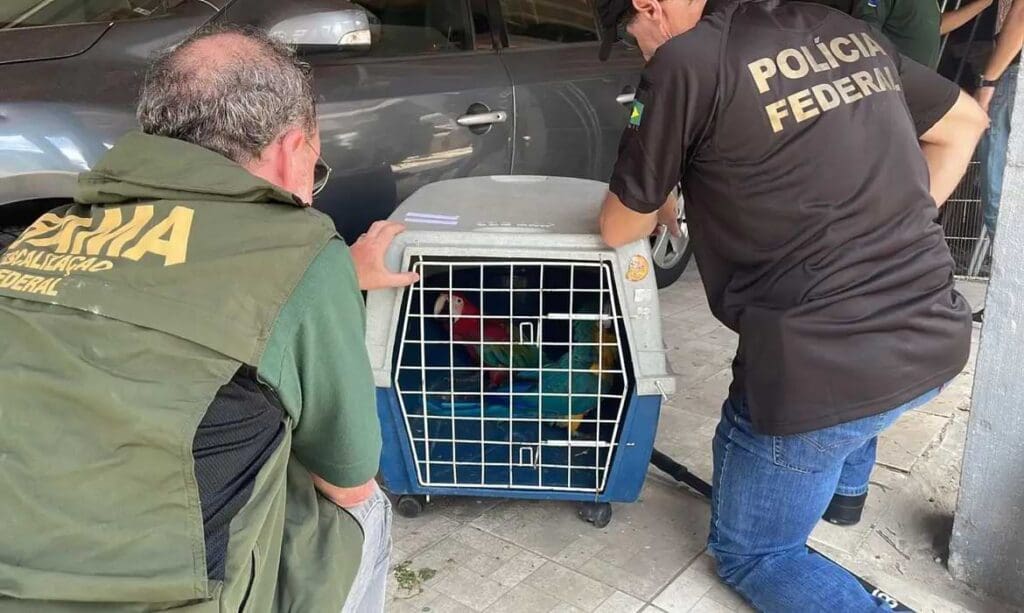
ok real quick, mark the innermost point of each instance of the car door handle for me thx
(482, 119)
(626, 98)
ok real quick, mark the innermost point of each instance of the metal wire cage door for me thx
(961, 219)
(512, 374)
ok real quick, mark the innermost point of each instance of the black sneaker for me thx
(845, 510)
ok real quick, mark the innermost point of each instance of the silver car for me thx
(409, 92)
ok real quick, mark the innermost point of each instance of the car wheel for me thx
(671, 254)
(17, 216)
(7, 236)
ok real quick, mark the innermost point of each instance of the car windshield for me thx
(28, 13)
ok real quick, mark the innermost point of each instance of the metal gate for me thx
(512, 374)
(964, 227)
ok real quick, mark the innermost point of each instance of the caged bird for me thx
(560, 400)
(487, 341)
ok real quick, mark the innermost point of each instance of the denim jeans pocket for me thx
(818, 450)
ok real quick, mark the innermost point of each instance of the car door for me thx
(429, 100)
(571, 107)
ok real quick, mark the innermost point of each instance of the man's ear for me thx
(648, 8)
(292, 142)
(291, 145)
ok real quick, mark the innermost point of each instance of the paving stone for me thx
(542, 526)
(569, 586)
(470, 589)
(487, 553)
(956, 397)
(620, 603)
(849, 538)
(683, 433)
(694, 360)
(901, 445)
(524, 598)
(652, 609)
(724, 337)
(417, 601)
(726, 596)
(675, 303)
(681, 595)
(444, 604)
(689, 587)
(440, 560)
(412, 535)
(580, 551)
(887, 478)
(518, 568)
(462, 509)
(635, 584)
(706, 397)
(709, 605)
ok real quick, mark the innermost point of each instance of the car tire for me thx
(17, 216)
(8, 234)
(671, 255)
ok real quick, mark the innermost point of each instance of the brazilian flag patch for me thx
(637, 114)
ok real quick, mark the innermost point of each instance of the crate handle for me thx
(581, 316)
(532, 461)
(526, 336)
(661, 388)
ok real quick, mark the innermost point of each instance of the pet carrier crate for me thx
(527, 361)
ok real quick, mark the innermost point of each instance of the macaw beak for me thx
(441, 305)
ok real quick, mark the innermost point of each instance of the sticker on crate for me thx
(431, 218)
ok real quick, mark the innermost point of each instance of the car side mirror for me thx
(346, 29)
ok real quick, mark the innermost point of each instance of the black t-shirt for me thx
(807, 198)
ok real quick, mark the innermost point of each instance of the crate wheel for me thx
(411, 506)
(597, 513)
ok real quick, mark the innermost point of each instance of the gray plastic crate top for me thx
(520, 218)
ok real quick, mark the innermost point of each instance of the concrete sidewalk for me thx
(524, 556)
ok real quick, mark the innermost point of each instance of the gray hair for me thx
(235, 104)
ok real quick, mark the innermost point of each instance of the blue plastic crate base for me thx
(524, 363)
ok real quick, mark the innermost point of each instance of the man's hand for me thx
(368, 256)
(984, 96)
(345, 497)
(668, 216)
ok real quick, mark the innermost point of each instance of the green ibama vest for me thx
(122, 316)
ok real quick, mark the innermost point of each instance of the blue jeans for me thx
(770, 492)
(369, 587)
(992, 149)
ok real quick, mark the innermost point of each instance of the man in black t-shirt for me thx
(812, 156)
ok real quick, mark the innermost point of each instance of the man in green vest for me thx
(187, 418)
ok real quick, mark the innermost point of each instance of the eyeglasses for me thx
(321, 172)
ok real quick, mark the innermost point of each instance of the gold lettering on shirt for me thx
(57, 246)
(174, 248)
(822, 57)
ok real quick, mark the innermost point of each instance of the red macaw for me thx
(466, 328)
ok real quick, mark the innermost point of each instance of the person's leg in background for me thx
(993, 153)
(768, 494)
(368, 590)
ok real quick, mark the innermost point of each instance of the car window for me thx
(542, 22)
(29, 13)
(412, 27)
